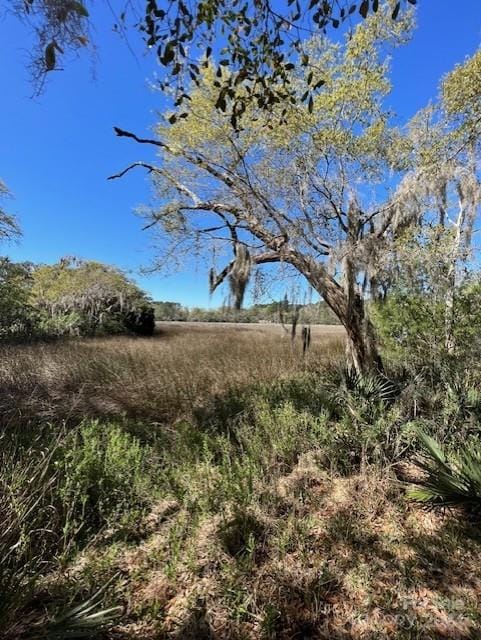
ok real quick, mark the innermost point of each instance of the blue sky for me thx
(57, 150)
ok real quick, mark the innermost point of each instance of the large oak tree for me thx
(328, 192)
(310, 194)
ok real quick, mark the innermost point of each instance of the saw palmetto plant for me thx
(450, 480)
(365, 394)
(85, 620)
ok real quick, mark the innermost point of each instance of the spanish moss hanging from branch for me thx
(239, 274)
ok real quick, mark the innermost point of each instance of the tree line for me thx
(70, 298)
(282, 311)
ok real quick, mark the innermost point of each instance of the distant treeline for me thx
(282, 311)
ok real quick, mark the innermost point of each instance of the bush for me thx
(140, 320)
(450, 480)
(17, 317)
(55, 495)
(104, 477)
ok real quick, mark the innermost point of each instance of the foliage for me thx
(59, 26)
(104, 473)
(318, 313)
(9, 228)
(411, 319)
(85, 620)
(27, 485)
(84, 298)
(462, 98)
(165, 310)
(140, 320)
(17, 315)
(295, 196)
(263, 458)
(258, 48)
(70, 298)
(451, 479)
(56, 494)
(256, 42)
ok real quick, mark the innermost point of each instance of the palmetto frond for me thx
(449, 481)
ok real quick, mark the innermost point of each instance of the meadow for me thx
(213, 482)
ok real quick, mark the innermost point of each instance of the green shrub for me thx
(140, 320)
(450, 480)
(55, 495)
(105, 475)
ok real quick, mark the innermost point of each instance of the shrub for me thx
(105, 475)
(449, 480)
(17, 317)
(140, 320)
(55, 495)
(87, 298)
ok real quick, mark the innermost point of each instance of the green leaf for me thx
(50, 57)
(79, 8)
(364, 8)
(169, 54)
(395, 13)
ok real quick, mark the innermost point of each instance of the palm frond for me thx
(84, 620)
(448, 481)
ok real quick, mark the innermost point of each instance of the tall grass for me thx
(203, 474)
(161, 379)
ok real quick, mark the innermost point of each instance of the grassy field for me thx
(162, 379)
(217, 484)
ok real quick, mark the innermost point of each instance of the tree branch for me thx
(260, 258)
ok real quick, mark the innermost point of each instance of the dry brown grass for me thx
(160, 379)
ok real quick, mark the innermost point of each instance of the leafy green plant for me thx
(84, 620)
(28, 521)
(366, 396)
(105, 476)
(56, 494)
(450, 480)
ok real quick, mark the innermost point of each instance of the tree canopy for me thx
(9, 227)
(260, 42)
(87, 297)
(326, 193)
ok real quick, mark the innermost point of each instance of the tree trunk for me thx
(362, 353)
(456, 250)
(361, 349)
(361, 346)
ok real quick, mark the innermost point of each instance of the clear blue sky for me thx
(57, 150)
